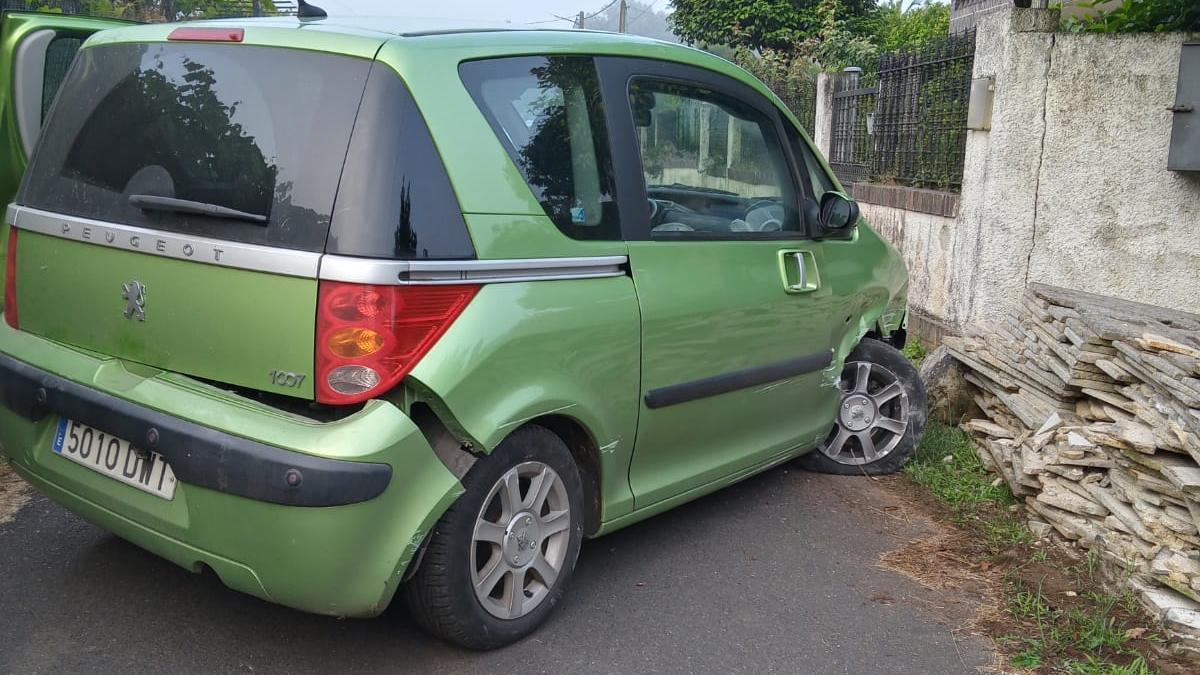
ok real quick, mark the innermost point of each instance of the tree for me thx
(901, 28)
(172, 10)
(768, 24)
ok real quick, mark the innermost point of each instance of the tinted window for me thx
(256, 129)
(395, 199)
(547, 113)
(712, 164)
(59, 55)
(812, 173)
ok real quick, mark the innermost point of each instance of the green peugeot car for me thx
(341, 310)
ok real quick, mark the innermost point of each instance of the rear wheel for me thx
(500, 559)
(881, 415)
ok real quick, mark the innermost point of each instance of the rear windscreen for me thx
(142, 133)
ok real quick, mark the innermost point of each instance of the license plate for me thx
(115, 457)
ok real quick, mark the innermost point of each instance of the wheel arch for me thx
(586, 452)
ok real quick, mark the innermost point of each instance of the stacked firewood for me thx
(1093, 418)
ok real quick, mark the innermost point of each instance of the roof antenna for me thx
(307, 11)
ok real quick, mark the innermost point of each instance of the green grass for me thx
(946, 465)
(1090, 629)
(1092, 666)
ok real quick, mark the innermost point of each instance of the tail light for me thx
(10, 279)
(370, 337)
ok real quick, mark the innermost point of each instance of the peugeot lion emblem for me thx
(135, 300)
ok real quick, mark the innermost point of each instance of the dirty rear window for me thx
(260, 130)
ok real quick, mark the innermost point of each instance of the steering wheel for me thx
(660, 208)
(765, 215)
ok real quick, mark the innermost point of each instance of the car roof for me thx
(419, 27)
(337, 33)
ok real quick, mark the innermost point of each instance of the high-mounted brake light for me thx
(10, 279)
(370, 337)
(207, 35)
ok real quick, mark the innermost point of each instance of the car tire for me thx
(494, 539)
(881, 415)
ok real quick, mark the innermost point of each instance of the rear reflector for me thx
(207, 35)
(370, 337)
(10, 279)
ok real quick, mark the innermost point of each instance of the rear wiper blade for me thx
(156, 203)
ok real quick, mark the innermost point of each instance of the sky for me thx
(490, 11)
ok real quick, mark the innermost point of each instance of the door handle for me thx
(799, 271)
(801, 284)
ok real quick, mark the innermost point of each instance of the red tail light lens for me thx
(370, 337)
(10, 279)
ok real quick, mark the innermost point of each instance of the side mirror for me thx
(839, 213)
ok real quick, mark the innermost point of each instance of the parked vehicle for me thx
(40, 48)
(338, 309)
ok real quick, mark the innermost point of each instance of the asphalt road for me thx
(777, 574)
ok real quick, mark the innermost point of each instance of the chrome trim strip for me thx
(310, 265)
(167, 244)
(433, 272)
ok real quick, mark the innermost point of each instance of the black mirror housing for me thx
(838, 214)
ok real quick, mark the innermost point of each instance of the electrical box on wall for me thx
(1185, 127)
(979, 106)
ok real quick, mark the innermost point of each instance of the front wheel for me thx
(499, 560)
(881, 415)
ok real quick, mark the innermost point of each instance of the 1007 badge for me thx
(114, 457)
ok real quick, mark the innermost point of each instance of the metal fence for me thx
(63, 6)
(907, 123)
(797, 90)
(799, 94)
(851, 149)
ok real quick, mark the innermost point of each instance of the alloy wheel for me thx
(522, 535)
(872, 416)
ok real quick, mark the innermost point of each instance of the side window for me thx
(60, 53)
(547, 113)
(811, 171)
(394, 199)
(712, 164)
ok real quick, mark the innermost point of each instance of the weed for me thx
(915, 351)
(1057, 636)
(1089, 629)
(1005, 533)
(1093, 564)
(1094, 666)
(1029, 659)
(1028, 604)
(946, 465)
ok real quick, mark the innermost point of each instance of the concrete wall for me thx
(1111, 218)
(822, 131)
(966, 14)
(1068, 187)
(926, 242)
